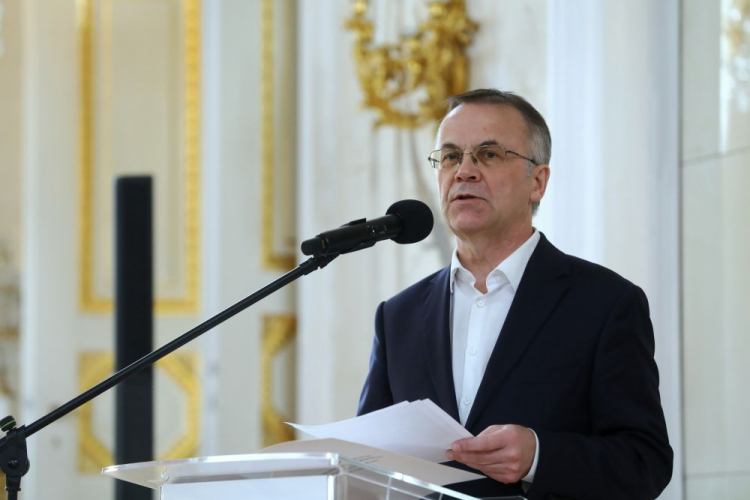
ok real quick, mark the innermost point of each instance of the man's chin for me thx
(466, 227)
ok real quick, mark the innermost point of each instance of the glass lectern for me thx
(278, 476)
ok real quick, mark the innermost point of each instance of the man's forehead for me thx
(505, 117)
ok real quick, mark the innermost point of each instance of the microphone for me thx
(406, 221)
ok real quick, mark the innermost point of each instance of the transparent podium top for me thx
(341, 477)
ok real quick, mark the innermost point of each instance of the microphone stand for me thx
(14, 461)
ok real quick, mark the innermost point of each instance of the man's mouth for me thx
(465, 197)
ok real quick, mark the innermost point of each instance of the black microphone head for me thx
(416, 218)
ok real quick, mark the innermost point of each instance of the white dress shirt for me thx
(476, 321)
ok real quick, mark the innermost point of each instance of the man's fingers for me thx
(491, 438)
(473, 458)
(505, 472)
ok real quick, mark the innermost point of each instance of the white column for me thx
(231, 190)
(571, 212)
(614, 115)
(49, 270)
(233, 211)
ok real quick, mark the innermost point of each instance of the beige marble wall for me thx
(715, 241)
(10, 200)
(10, 137)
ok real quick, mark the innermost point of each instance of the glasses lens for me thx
(445, 158)
(491, 155)
(435, 159)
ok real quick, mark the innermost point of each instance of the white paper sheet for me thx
(423, 470)
(420, 429)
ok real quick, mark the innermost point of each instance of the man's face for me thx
(478, 200)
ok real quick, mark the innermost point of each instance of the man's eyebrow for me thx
(488, 142)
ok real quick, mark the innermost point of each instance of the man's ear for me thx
(540, 178)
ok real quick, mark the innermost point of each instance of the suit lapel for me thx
(539, 292)
(437, 340)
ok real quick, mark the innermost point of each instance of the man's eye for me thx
(489, 155)
(450, 156)
(484, 155)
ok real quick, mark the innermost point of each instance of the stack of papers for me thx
(410, 438)
(419, 429)
(384, 460)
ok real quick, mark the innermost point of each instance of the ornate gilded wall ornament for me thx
(429, 65)
(9, 316)
(737, 33)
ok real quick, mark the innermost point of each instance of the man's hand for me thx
(503, 452)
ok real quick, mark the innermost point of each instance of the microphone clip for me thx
(361, 246)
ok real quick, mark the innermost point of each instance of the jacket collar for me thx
(541, 288)
(436, 308)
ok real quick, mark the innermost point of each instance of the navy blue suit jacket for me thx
(574, 361)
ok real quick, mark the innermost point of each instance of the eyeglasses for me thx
(490, 155)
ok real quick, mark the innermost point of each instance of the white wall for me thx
(715, 171)
(11, 60)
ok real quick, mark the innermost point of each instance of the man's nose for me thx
(467, 169)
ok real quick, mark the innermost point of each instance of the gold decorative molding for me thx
(272, 259)
(89, 299)
(94, 367)
(182, 368)
(278, 332)
(192, 103)
(430, 63)
(93, 454)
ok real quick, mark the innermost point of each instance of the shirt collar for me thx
(512, 267)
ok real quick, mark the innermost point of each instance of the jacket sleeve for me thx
(627, 455)
(376, 393)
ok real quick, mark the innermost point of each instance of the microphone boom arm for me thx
(14, 460)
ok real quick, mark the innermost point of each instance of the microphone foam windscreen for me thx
(416, 218)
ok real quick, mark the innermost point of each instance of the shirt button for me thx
(480, 302)
(472, 352)
(466, 401)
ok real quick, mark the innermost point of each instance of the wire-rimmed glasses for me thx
(489, 155)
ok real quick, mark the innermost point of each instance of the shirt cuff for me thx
(529, 478)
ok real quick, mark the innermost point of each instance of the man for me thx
(545, 358)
